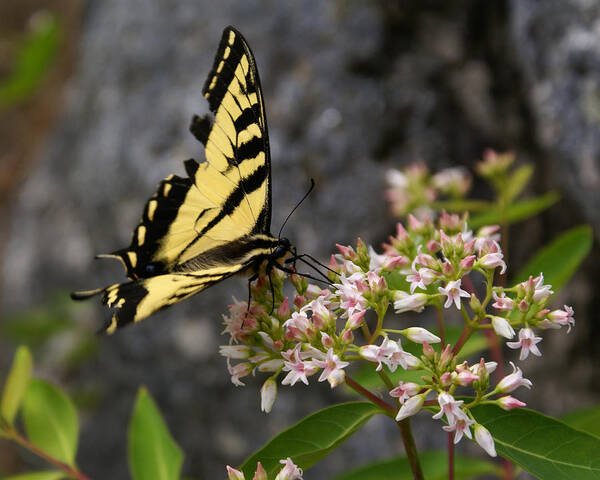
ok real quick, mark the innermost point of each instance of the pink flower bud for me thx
(524, 305)
(396, 261)
(404, 391)
(469, 247)
(284, 308)
(299, 301)
(446, 379)
(466, 377)
(510, 403)
(326, 340)
(467, 262)
(347, 337)
(355, 320)
(414, 223)
(447, 268)
(260, 473)
(347, 252)
(401, 233)
(233, 474)
(428, 351)
(492, 261)
(433, 246)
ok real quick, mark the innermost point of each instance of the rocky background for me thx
(351, 89)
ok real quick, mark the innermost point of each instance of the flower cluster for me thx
(413, 188)
(290, 471)
(322, 331)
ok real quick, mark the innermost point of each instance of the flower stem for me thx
(410, 448)
(70, 471)
(440, 322)
(450, 456)
(358, 388)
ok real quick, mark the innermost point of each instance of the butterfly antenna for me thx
(312, 185)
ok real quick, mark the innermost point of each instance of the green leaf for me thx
(15, 385)
(560, 259)
(586, 419)
(152, 452)
(312, 438)
(50, 420)
(36, 325)
(434, 465)
(515, 212)
(544, 446)
(517, 181)
(33, 59)
(46, 475)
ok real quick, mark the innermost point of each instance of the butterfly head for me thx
(282, 248)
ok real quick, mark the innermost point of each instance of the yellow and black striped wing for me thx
(197, 230)
(228, 196)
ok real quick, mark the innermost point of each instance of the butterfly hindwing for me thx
(197, 230)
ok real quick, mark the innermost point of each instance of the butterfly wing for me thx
(191, 225)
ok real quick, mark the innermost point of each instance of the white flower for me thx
(454, 292)
(513, 381)
(527, 343)
(448, 406)
(332, 369)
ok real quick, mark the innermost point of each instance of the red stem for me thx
(450, 456)
(40, 453)
(371, 397)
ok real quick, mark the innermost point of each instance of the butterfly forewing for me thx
(198, 230)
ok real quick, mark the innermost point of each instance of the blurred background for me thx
(95, 101)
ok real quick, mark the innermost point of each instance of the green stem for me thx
(440, 322)
(72, 472)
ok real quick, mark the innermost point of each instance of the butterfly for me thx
(198, 230)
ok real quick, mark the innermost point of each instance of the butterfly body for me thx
(198, 230)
